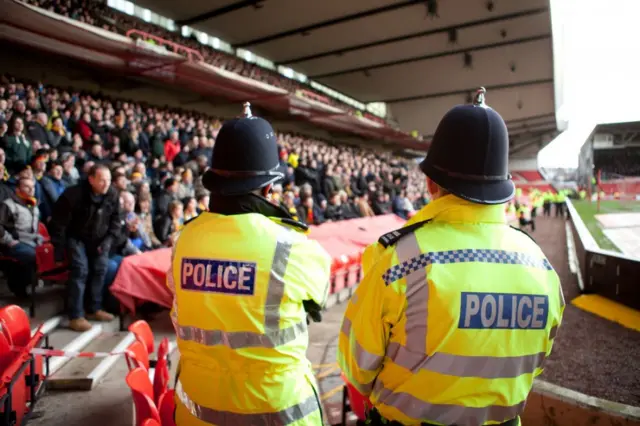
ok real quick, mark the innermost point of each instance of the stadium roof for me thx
(421, 57)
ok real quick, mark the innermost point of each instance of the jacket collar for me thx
(451, 209)
(248, 203)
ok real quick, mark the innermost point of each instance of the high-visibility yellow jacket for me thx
(454, 320)
(239, 283)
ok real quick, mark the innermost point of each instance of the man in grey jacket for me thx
(19, 220)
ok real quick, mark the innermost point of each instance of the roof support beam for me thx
(218, 12)
(464, 91)
(433, 56)
(464, 25)
(330, 22)
(532, 118)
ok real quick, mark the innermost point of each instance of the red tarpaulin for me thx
(142, 278)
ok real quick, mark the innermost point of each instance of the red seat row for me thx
(21, 373)
(47, 268)
(154, 402)
(346, 272)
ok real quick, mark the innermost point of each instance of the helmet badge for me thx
(246, 111)
(479, 98)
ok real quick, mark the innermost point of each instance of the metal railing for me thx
(604, 272)
(175, 47)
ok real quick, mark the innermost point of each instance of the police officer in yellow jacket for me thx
(457, 311)
(242, 275)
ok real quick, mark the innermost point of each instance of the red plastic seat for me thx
(166, 407)
(44, 233)
(144, 334)
(142, 393)
(163, 349)
(160, 379)
(11, 366)
(151, 422)
(137, 357)
(6, 355)
(15, 322)
(358, 403)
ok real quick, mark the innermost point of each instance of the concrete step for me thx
(86, 373)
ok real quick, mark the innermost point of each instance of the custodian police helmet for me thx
(245, 156)
(469, 154)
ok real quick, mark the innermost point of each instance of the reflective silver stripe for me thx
(416, 294)
(242, 339)
(275, 287)
(486, 367)
(447, 414)
(273, 335)
(365, 359)
(222, 418)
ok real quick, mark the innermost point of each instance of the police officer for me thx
(457, 310)
(242, 276)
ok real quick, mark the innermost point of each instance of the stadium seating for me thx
(531, 175)
(21, 373)
(142, 393)
(167, 406)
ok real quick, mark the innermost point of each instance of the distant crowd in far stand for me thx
(150, 161)
(97, 13)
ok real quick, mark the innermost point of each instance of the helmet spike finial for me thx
(246, 111)
(479, 98)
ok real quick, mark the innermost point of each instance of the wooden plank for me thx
(84, 373)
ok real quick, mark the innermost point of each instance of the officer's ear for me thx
(267, 190)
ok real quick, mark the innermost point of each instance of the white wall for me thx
(516, 164)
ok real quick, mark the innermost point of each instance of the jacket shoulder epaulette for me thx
(390, 238)
(524, 232)
(190, 220)
(294, 223)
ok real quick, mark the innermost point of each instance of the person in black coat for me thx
(86, 222)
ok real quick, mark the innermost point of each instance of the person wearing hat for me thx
(244, 276)
(457, 310)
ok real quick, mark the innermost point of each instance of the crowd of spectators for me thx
(74, 160)
(97, 13)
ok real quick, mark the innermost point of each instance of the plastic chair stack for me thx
(153, 401)
(21, 373)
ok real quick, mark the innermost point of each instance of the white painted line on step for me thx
(173, 345)
(75, 345)
(102, 368)
(49, 325)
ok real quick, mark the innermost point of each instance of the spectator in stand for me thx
(52, 187)
(19, 221)
(144, 213)
(186, 188)
(169, 223)
(17, 147)
(37, 130)
(309, 213)
(334, 211)
(86, 222)
(166, 197)
(5, 188)
(172, 147)
(190, 208)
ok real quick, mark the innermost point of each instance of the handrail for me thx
(175, 46)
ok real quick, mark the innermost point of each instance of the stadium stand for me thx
(99, 14)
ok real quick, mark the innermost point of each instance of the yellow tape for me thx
(609, 309)
(330, 393)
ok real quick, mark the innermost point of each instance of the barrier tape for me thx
(68, 354)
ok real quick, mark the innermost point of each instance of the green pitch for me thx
(588, 210)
